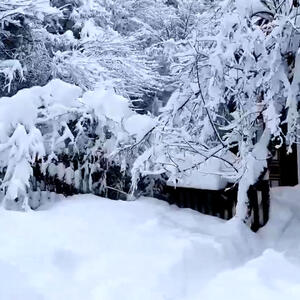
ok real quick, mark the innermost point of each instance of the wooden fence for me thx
(222, 203)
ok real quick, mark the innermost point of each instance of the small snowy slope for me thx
(282, 231)
(90, 248)
(274, 274)
(87, 247)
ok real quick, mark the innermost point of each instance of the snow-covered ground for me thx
(86, 247)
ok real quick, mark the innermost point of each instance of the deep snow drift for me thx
(86, 247)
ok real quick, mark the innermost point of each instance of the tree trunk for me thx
(256, 162)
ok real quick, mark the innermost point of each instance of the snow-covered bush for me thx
(60, 139)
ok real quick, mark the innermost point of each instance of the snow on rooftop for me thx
(202, 173)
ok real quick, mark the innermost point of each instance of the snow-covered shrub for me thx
(60, 139)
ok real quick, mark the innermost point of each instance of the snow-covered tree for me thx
(23, 60)
(239, 83)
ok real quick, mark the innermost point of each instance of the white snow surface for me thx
(86, 247)
(202, 173)
(107, 103)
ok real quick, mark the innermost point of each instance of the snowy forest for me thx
(141, 99)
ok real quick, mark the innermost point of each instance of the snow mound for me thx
(281, 232)
(86, 247)
(269, 277)
(275, 273)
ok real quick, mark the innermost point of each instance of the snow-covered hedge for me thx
(60, 139)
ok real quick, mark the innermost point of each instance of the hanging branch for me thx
(206, 109)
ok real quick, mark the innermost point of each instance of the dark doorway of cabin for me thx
(288, 167)
(284, 168)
